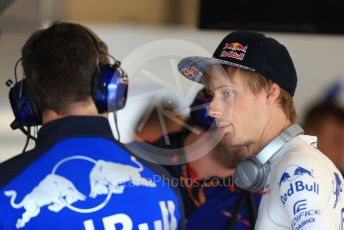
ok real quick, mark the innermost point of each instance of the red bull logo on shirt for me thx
(293, 172)
(55, 191)
(297, 179)
(168, 221)
(106, 178)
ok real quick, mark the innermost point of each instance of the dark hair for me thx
(59, 63)
(319, 112)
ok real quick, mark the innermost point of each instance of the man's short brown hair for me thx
(258, 82)
(59, 63)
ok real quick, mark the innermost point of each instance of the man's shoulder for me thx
(301, 152)
(14, 166)
(299, 164)
(302, 162)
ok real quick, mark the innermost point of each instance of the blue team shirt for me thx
(86, 182)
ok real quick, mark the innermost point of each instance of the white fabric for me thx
(304, 190)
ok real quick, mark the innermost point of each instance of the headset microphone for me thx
(252, 173)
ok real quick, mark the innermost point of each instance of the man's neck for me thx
(84, 108)
(272, 129)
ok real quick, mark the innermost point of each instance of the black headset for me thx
(109, 92)
(252, 173)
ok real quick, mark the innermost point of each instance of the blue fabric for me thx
(216, 212)
(87, 183)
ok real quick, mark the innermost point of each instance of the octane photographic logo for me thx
(154, 81)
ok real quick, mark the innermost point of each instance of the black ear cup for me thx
(23, 105)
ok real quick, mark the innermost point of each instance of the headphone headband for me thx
(267, 152)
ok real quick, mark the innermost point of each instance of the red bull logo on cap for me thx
(235, 46)
(191, 72)
(233, 51)
(187, 72)
(232, 54)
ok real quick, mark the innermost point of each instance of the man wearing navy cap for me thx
(252, 80)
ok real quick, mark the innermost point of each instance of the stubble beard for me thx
(229, 153)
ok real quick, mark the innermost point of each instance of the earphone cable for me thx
(15, 69)
(28, 133)
(116, 126)
(28, 137)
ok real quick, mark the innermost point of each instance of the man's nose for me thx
(214, 109)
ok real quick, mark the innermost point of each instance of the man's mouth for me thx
(223, 127)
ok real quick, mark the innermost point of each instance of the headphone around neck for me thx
(252, 173)
(109, 92)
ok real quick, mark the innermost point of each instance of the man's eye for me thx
(227, 93)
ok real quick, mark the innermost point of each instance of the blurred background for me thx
(151, 36)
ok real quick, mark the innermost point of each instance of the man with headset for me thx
(252, 80)
(77, 176)
(205, 178)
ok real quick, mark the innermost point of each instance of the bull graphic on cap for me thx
(54, 190)
(108, 177)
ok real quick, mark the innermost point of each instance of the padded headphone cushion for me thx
(24, 107)
(251, 174)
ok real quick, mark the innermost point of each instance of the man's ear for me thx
(273, 93)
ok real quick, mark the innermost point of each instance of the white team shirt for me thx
(304, 190)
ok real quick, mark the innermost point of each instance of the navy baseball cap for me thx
(250, 51)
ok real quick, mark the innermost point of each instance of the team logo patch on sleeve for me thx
(337, 188)
(297, 179)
